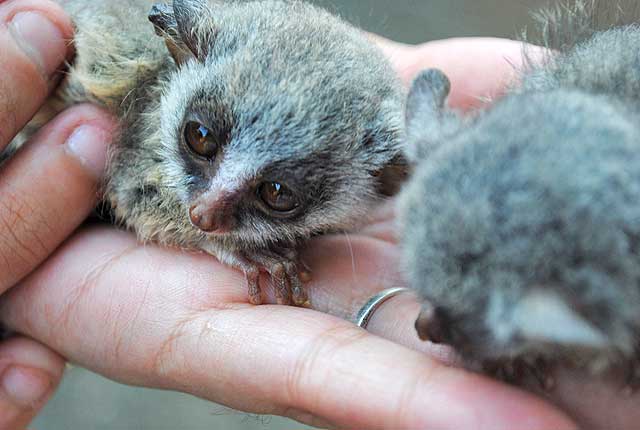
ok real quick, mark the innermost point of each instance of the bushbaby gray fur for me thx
(522, 224)
(247, 127)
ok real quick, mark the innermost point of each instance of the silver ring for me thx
(366, 312)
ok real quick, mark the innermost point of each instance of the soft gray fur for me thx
(300, 96)
(522, 226)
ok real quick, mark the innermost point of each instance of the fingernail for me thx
(40, 39)
(88, 144)
(26, 387)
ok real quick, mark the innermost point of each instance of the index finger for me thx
(34, 37)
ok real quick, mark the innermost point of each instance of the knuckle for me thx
(23, 237)
(307, 375)
(22, 89)
(167, 363)
(80, 296)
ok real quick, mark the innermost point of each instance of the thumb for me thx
(29, 374)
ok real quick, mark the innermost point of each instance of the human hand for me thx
(46, 190)
(162, 318)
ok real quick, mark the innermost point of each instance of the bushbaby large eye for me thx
(201, 140)
(277, 197)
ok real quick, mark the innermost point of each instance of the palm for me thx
(165, 318)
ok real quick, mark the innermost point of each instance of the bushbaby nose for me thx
(201, 219)
(212, 215)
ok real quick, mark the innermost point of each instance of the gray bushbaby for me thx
(247, 127)
(522, 224)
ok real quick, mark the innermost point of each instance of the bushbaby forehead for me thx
(292, 77)
(279, 60)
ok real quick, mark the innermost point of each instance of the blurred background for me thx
(86, 401)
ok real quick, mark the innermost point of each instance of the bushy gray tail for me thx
(567, 24)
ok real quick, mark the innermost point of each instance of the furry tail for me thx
(566, 25)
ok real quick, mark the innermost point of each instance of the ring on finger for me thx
(365, 313)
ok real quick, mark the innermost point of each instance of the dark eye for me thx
(277, 197)
(201, 140)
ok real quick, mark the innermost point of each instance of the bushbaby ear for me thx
(427, 96)
(195, 25)
(164, 22)
(428, 121)
(187, 28)
(392, 176)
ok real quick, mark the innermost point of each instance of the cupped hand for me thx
(46, 190)
(165, 318)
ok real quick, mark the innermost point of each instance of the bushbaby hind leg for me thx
(287, 273)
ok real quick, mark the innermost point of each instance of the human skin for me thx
(45, 192)
(165, 318)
